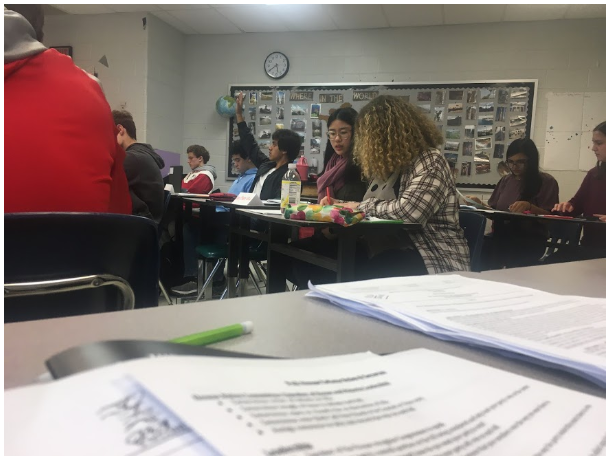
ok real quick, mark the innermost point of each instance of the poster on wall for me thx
(478, 120)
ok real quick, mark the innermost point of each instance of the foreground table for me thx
(289, 325)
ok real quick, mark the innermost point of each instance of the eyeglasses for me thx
(343, 134)
(517, 163)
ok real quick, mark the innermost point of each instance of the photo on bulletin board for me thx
(477, 120)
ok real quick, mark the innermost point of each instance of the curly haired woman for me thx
(411, 182)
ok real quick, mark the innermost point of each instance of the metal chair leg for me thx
(164, 292)
(255, 283)
(260, 272)
(209, 278)
(226, 289)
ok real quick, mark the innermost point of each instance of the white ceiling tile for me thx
(177, 7)
(206, 21)
(132, 8)
(585, 11)
(413, 15)
(85, 9)
(472, 14)
(174, 22)
(253, 18)
(350, 17)
(534, 12)
(298, 18)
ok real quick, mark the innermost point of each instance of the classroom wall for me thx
(124, 42)
(165, 86)
(565, 56)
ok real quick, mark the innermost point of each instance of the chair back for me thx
(473, 225)
(59, 246)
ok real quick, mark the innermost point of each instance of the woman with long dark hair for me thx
(340, 174)
(519, 243)
(590, 200)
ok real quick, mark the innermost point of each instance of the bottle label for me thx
(290, 193)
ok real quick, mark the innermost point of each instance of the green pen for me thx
(216, 335)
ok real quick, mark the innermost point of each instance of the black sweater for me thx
(142, 166)
(272, 186)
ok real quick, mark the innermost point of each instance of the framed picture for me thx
(67, 50)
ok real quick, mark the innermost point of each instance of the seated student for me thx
(201, 180)
(246, 169)
(396, 147)
(283, 149)
(519, 243)
(590, 200)
(142, 166)
(56, 117)
(340, 174)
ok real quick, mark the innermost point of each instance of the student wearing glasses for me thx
(341, 176)
(520, 243)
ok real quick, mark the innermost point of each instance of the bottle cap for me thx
(291, 166)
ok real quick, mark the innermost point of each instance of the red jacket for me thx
(60, 149)
(198, 181)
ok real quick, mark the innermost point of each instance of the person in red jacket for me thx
(202, 177)
(57, 117)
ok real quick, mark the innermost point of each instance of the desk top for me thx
(279, 219)
(494, 213)
(289, 325)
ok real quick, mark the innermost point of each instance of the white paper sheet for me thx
(567, 331)
(103, 412)
(416, 402)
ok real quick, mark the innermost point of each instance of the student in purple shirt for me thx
(519, 243)
(590, 200)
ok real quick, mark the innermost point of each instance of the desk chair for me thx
(562, 234)
(473, 226)
(212, 257)
(57, 264)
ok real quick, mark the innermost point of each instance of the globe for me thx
(226, 106)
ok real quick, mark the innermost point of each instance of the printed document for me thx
(416, 402)
(563, 330)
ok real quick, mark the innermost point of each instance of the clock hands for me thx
(276, 65)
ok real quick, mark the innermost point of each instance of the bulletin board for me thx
(478, 120)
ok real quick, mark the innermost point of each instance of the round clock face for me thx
(276, 65)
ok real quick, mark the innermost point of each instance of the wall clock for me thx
(276, 65)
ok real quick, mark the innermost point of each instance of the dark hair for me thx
(199, 151)
(601, 166)
(532, 179)
(237, 149)
(288, 141)
(124, 118)
(352, 172)
(34, 14)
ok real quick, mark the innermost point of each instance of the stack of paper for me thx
(416, 402)
(564, 331)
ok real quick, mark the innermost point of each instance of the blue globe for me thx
(226, 106)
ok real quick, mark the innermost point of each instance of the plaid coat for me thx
(427, 195)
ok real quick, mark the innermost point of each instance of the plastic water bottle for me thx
(291, 187)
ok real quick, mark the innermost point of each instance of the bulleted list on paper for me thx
(417, 402)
